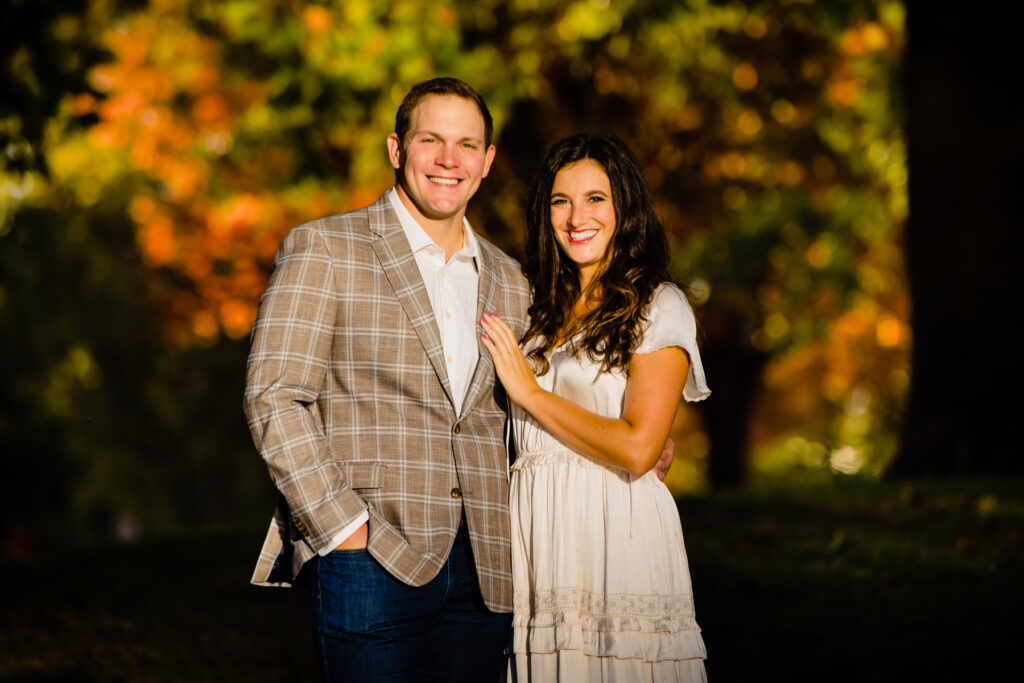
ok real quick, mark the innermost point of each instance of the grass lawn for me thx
(855, 582)
(861, 583)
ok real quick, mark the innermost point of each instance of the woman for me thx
(602, 586)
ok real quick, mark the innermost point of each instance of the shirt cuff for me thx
(345, 533)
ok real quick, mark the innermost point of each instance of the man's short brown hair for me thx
(441, 86)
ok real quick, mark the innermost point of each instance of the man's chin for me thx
(440, 210)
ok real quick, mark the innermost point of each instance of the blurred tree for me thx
(106, 430)
(966, 144)
(771, 133)
(156, 153)
(43, 60)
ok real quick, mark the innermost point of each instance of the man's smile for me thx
(447, 182)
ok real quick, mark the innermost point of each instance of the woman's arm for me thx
(633, 442)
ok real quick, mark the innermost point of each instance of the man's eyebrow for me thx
(433, 134)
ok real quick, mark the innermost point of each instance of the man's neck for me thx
(447, 232)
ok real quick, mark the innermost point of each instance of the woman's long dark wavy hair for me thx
(634, 265)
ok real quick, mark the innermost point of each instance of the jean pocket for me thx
(358, 596)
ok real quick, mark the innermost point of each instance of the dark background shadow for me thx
(912, 577)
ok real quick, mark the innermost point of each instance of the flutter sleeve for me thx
(672, 323)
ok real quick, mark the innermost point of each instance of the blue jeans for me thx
(369, 626)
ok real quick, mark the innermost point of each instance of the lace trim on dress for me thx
(603, 604)
(650, 627)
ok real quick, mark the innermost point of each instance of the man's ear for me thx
(395, 151)
(488, 158)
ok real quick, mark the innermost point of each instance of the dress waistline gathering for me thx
(558, 456)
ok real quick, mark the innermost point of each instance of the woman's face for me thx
(583, 215)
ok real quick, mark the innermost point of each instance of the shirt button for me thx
(450, 360)
(456, 492)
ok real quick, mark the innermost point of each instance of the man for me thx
(377, 413)
(378, 416)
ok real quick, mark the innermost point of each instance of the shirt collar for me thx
(418, 237)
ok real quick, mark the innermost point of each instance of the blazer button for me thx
(458, 428)
(456, 492)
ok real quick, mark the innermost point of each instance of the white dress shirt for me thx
(452, 288)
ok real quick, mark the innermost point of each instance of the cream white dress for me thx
(602, 584)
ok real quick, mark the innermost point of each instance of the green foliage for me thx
(156, 152)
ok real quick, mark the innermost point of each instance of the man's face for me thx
(443, 157)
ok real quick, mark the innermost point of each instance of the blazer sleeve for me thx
(289, 358)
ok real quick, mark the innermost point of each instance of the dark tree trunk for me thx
(966, 147)
(734, 375)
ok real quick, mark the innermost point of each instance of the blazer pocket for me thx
(364, 475)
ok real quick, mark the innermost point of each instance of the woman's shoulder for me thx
(669, 299)
(671, 322)
(669, 319)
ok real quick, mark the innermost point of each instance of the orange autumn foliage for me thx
(169, 109)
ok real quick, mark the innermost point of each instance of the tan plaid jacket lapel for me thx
(399, 265)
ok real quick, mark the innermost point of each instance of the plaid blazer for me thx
(348, 402)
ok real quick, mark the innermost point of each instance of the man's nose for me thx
(447, 156)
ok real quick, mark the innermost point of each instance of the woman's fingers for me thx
(493, 349)
(499, 333)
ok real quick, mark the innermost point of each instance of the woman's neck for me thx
(588, 300)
